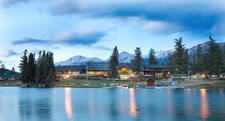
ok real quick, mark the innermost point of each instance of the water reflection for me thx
(170, 107)
(204, 113)
(68, 104)
(133, 108)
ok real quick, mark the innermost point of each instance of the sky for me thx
(92, 28)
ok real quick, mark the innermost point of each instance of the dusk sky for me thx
(92, 28)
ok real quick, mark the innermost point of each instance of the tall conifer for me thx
(23, 68)
(114, 64)
(152, 60)
(137, 61)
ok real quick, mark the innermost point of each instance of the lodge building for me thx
(101, 68)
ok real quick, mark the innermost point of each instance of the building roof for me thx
(103, 66)
(155, 66)
(179, 74)
(70, 68)
(17, 75)
(223, 74)
(195, 72)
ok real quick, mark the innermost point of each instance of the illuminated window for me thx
(168, 72)
(147, 69)
(160, 73)
(194, 76)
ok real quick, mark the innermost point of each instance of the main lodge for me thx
(101, 68)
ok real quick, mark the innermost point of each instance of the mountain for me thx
(78, 60)
(125, 57)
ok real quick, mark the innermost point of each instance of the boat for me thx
(123, 86)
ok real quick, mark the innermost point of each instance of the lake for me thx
(100, 104)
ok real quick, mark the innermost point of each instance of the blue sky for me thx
(93, 28)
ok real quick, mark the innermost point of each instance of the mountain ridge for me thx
(125, 57)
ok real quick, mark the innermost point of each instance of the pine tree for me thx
(31, 68)
(2, 69)
(43, 67)
(204, 62)
(198, 56)
(137, 61)
(163, 74)
(114, 64)
(178, 56)
(51, 73)
(162, 63)
(171, 63)
(214, 54)
(185, 62)
(152, 60)
(23, 68)
(12, 72)
(39, 70)
(223, 60)
(47, 65)
(193, 62)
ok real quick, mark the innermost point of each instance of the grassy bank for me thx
(10, 83)
(212, 85)
(82, 83)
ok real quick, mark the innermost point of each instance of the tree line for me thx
(40, 71)
(210, 59)
(2, 69)
(136, 62)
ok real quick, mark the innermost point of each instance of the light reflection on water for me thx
(68, 104)
(133, 107)
(204, 112)
(61, 104)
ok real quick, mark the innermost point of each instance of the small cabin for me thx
(182, 76)
(197, 75)
(222, 76)
(150, 82)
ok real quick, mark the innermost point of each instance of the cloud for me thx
(195, 16)
(102, 48)
(8, 53)
(26, 40)
(70, 38)
(8, 3)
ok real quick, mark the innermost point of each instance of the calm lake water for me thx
(60, 104)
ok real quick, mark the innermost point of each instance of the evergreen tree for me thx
(163, 74)
(43, 67)
(162, 63)
(171, 63)
(204, 62)
(114, 64)
(31, 68)
(137, 61)
(51, 72)
(223, 60)
(2, 69)
(47, 66)
(152, 60)
(214, 54)
(23, 68)
(39, 70)
(12, 72)
(193, 62)
(198, 56)
(185, 62)
(178, 56)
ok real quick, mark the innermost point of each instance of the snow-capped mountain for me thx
(78, 60)
(125, 57)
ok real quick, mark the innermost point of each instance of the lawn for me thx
(82, 83)
(10, 83)
(213, 85)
